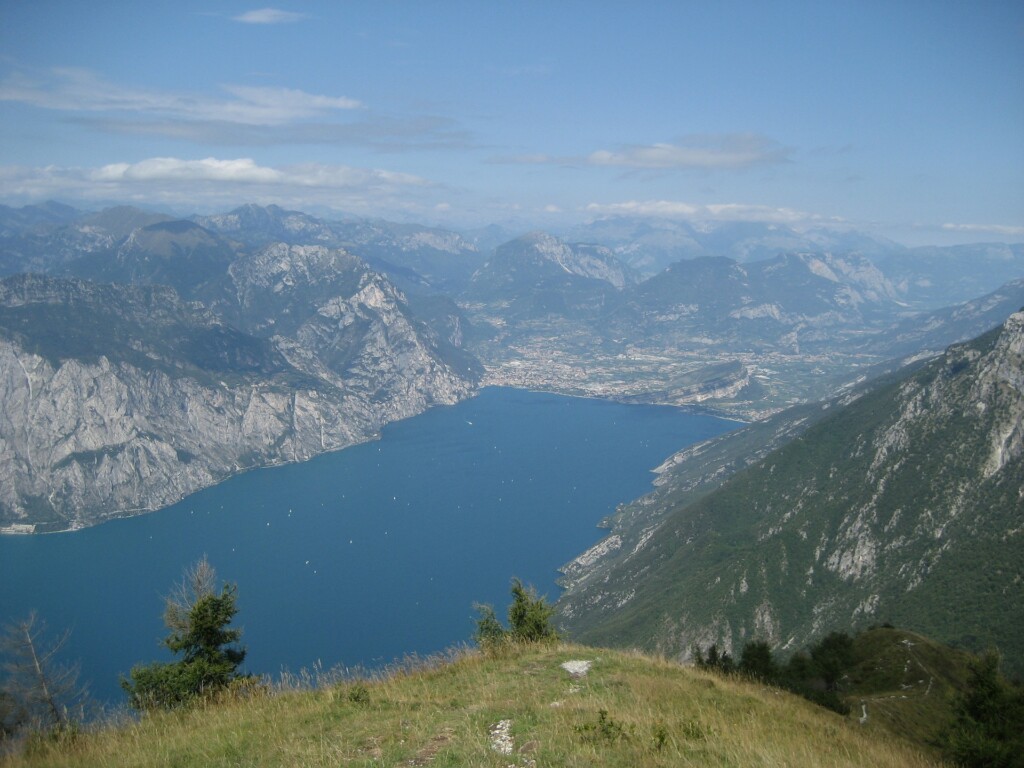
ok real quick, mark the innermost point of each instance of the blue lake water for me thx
(362, 556)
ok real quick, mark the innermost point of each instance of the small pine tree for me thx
(797, 671)
(697, 654)
(489, 632)
(529, 616)
(38, 690)
(713, 659)
(200, 633)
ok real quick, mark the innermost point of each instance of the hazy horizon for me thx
(903, 121)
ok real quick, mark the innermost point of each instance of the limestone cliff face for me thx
(273, 290)
(394, 365)
(904, 503)
(84, 442)
(123, 399)
(335, 319)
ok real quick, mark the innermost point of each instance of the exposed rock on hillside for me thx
(120, 399)
(258, 225)
(905, 495)
(538, 275)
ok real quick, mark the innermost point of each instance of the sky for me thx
(901, 117)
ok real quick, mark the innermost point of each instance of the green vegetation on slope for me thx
(901, 684)
(625, 710)
(141, 326)
(906, 683)
(888, 680)
(901, 506)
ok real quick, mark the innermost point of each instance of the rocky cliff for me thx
(120, 399)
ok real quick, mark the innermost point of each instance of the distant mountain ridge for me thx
(539, 275)
(774, 326)
(799, 293)
(177, 253)
(600, 301)
(932, 277)
(651, 244)
(418, 258)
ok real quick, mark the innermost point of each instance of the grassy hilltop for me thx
(519, 708)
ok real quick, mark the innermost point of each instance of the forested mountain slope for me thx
(904, 505)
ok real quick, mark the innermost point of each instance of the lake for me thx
(359, 557)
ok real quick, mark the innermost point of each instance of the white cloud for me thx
(242, 170)
(210, 181)
(340, 176)
(238, 115)
(671, 209)
(295, 102)
(699, 152)
(269, 16)
(1001, 230)
(730, 151)
(81, 90)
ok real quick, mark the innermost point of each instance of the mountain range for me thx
(376, 320)
(746, 338)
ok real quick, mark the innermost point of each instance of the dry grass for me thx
(655, 713)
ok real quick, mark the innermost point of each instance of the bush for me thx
(713, 659)
(359, 694)
(989, 726)
(605, 730)
(757, 663)
(529, 618)
(489, 632)
(833, 656)
(814, 676)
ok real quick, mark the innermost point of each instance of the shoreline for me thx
(31, 529)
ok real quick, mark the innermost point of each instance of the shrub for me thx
(989, 726)
(359, 694)
(757, 663)
(529, 618)
(489, 632)
(713, 659)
